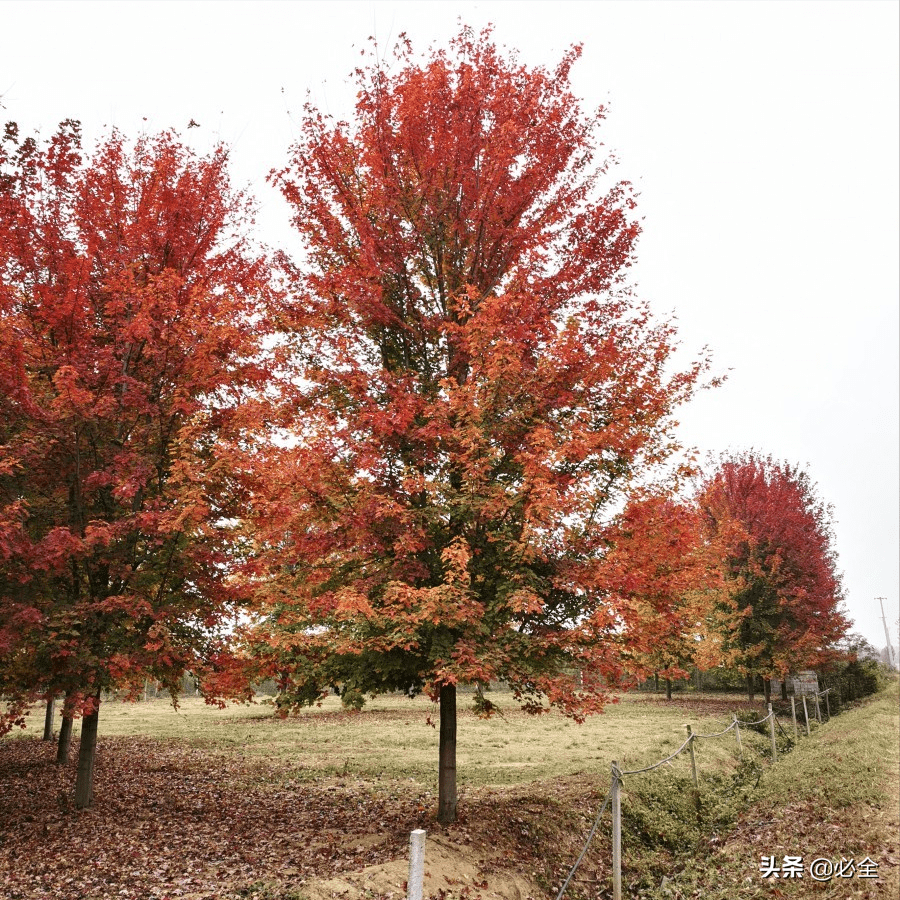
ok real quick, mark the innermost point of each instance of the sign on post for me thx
(806, 684)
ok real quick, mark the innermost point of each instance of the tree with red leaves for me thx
(663, 575)
(131, 316)
(781, 611)
(478, 387)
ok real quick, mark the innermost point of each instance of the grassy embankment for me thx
(835, 796)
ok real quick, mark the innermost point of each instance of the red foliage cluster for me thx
(131, 320)
(663, 572)
(478, 387)
(783, 610)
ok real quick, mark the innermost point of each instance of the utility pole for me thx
(887, 634)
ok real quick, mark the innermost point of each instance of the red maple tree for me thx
(663, 575)
(782, 608)
(131, 313)
(477, 385)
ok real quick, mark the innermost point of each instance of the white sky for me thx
(762, 137)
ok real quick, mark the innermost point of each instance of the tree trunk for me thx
(656, 682)
(65, 740)
(48, 719)
(767, 690)
(84, 781)
(668, 689)
(447, 756)
(750, 690)
(784, 695)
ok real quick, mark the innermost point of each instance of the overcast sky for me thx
(762, 139)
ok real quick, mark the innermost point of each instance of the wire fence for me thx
(613, 797)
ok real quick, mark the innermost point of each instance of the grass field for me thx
(237, 804)
(391, 738)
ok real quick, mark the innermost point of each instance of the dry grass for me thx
(391, 738)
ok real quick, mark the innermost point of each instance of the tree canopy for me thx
(132, 314)
(783, 609)
(663, 573)
(477, 388)
(430, 458)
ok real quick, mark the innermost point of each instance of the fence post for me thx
(794, 717)
(818, 711)
(737, 734)
(616, 803)
(416, 864)
(693, 760)
(772, 733)
(806, 715)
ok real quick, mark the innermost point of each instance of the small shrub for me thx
(660, 811)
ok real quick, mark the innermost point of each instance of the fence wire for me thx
(587, 844)
(765, 719)
(660, 763)
(717, 733)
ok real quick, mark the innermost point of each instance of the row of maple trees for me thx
(425, 451)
